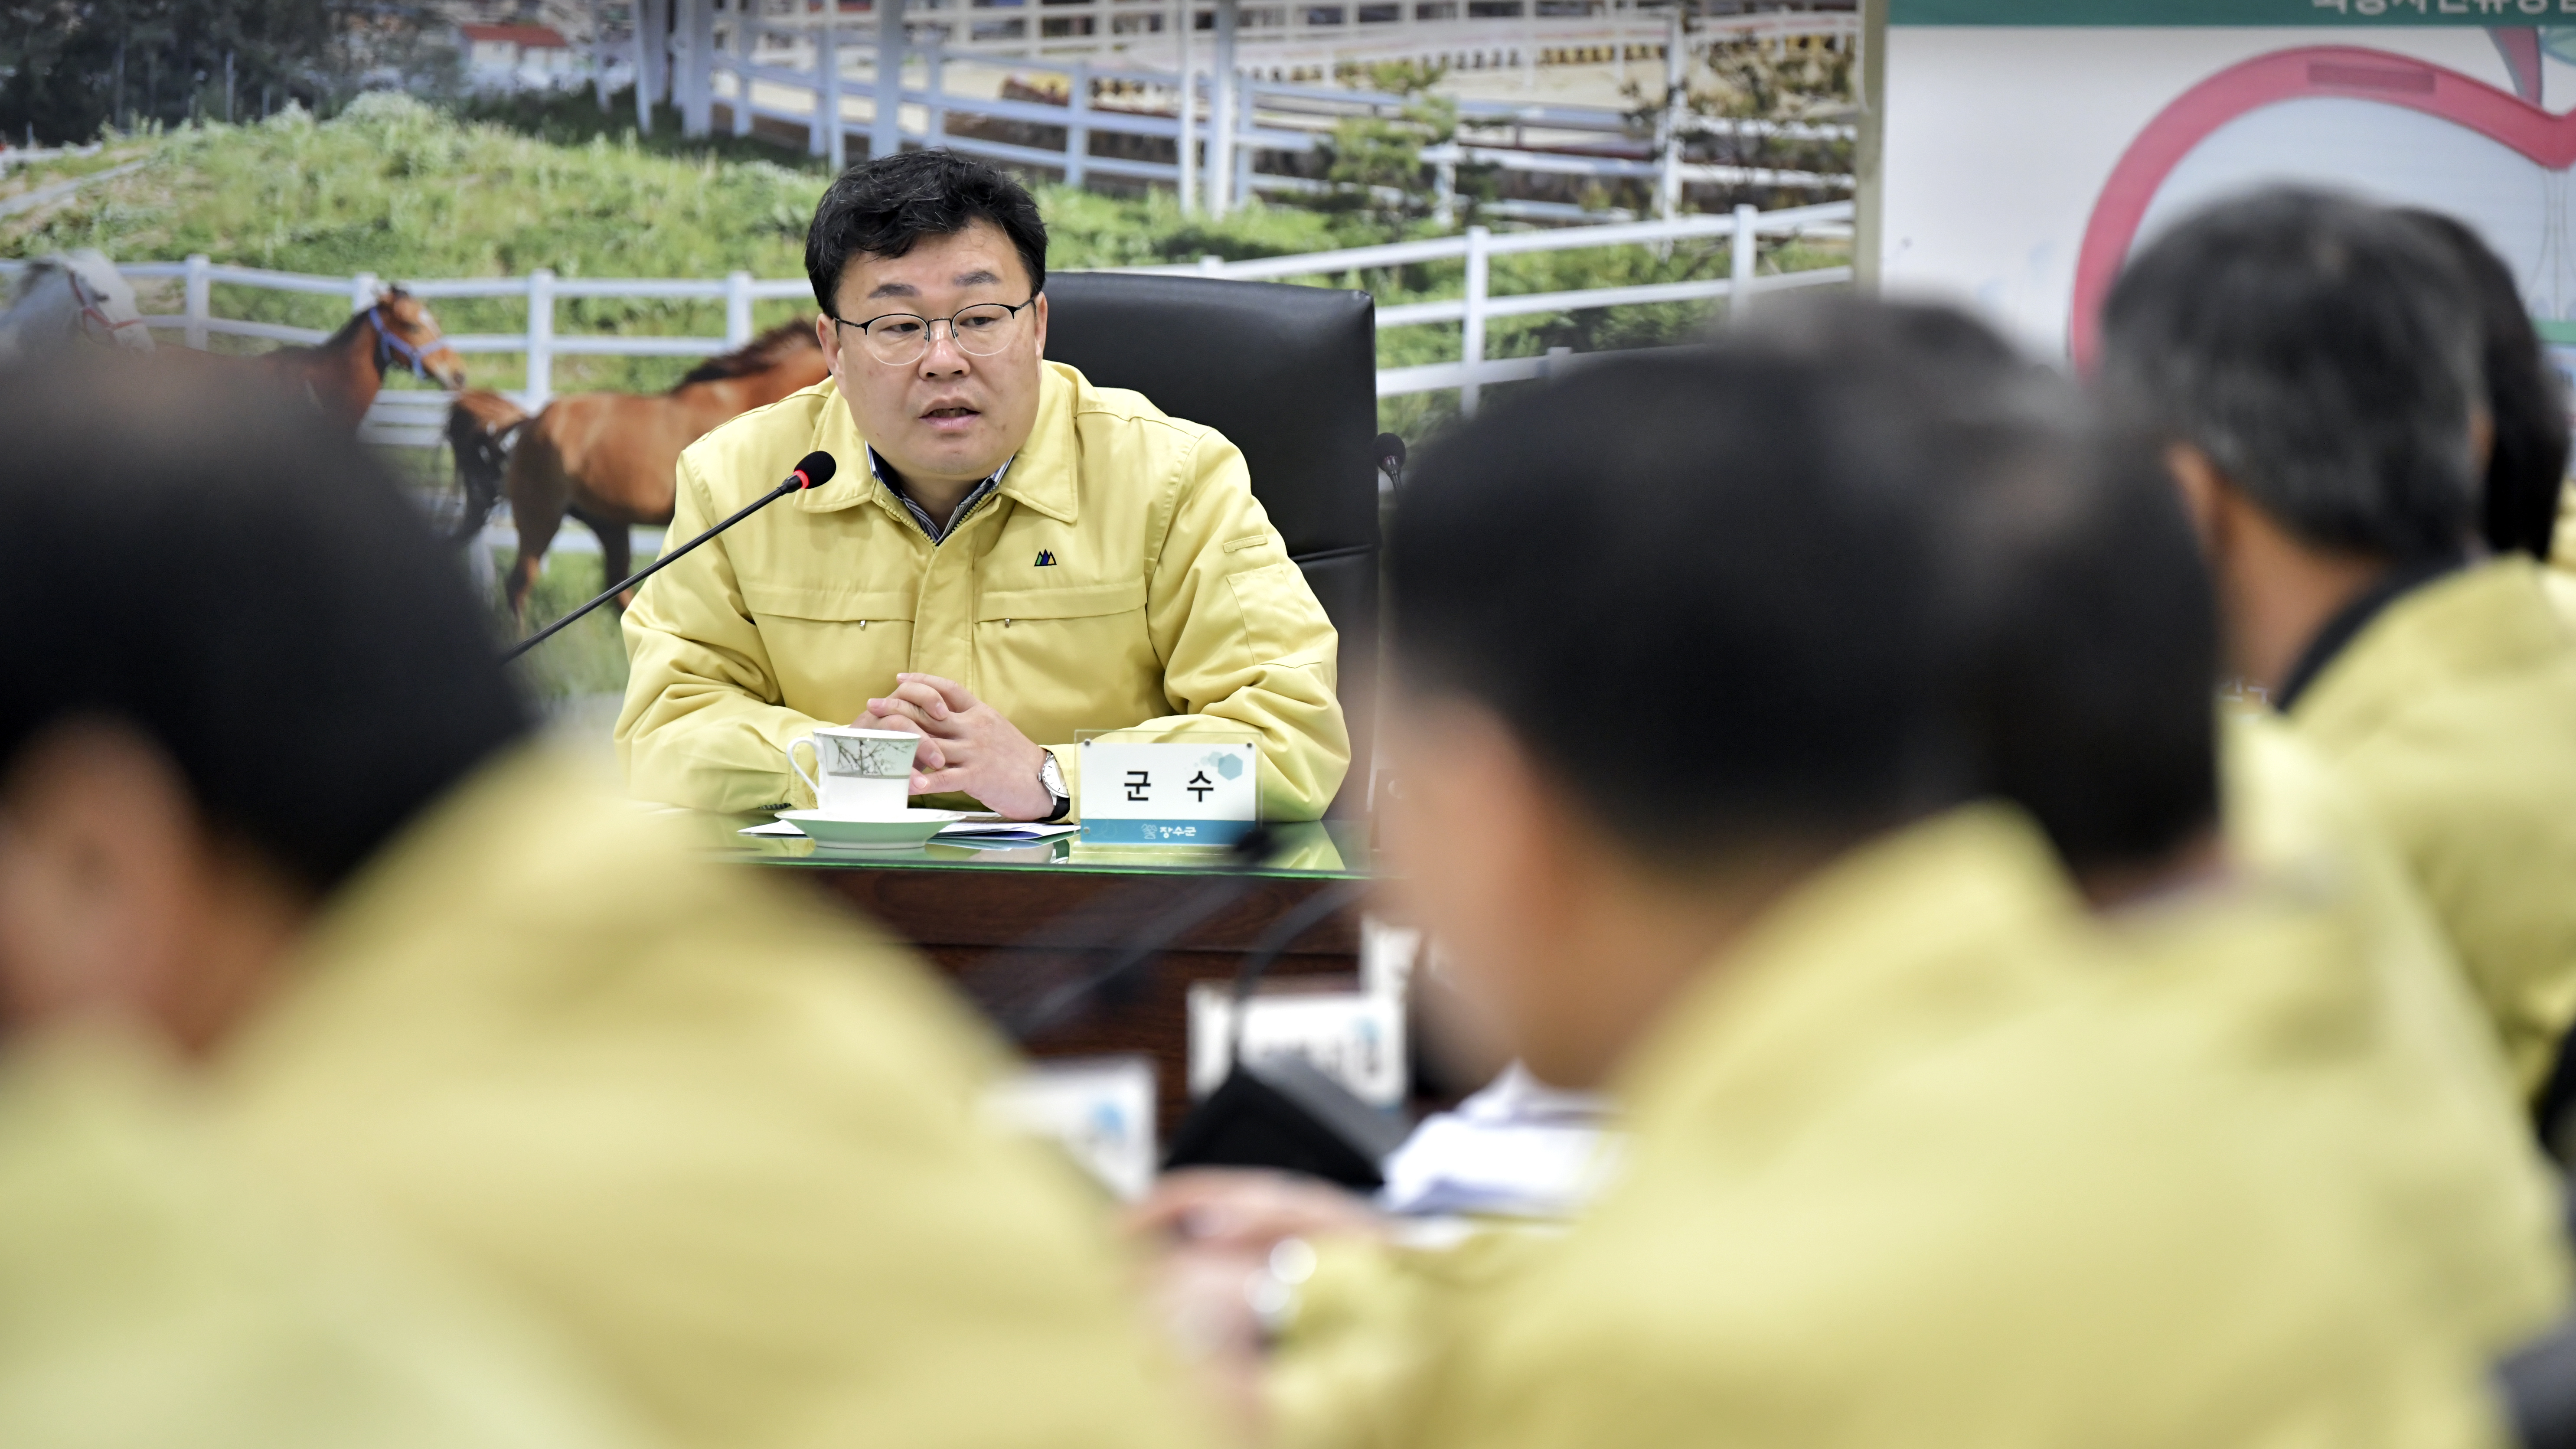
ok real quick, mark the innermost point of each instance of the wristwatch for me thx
(1051, 775)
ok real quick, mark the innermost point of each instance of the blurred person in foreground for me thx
(267, 789)
(2311, 368)
(1893, 1174)
(1009, 555)
(2291, 946)
(154, 1290)
(2287, 948)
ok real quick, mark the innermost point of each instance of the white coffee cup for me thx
(858, 774)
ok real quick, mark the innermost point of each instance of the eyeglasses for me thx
(901, 338)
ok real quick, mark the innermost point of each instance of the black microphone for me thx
(1284, 1113)
(815, 471)
(1390, 458)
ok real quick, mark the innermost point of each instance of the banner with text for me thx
(2032, 145)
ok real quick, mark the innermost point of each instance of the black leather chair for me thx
(1290, 375)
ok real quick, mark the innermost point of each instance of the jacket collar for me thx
(2353, 617)
(1041, 474)
(2488, 619)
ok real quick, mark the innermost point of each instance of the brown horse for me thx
(341, 375)
(609, 459)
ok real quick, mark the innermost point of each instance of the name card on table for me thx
(1100, 1110)
(1356, 1038)
(1196, 792)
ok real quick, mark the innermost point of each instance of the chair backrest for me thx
(1290, 375)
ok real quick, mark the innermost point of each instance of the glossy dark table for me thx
(1021, 928)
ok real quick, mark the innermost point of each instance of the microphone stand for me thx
(795, 484)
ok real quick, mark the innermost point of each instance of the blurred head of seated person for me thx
(163, 848)
(2526, 472)
(1890, 1177)
(2083, 648)
(264, 786)
(2310, 368)
(2084, 675)
(2530, 503)
(1008, 556)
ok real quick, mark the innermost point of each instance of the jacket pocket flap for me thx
(828, 603)
(1079, 601)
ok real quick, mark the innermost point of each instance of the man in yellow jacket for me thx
(1896, 1172)
(2288, 954)
(723, 1148)
(1009, 555)
(2311, 365)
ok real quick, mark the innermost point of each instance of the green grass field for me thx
(589, 658)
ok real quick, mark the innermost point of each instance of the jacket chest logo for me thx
(1046, 558)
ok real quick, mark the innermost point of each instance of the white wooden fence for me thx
(1280, 34)
(1478, 246)
(29, 156)
(416, 417)
(1242, 100)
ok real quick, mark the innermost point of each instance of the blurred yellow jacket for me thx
(152, 1293)
(2453, 715)
(727, 1144)
(2312, 978)
(1123, 574)
(1896, 1177)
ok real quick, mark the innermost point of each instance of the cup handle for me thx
(810, 782)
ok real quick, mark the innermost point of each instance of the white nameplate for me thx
(1174, 793)
(1356, 1039)
(1099, 1110)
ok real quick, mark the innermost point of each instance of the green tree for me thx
(72, 68)
(1375, 162)
(1792, 86)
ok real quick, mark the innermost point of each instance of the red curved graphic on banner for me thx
(2348, 72)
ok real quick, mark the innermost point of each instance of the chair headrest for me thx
(1288, 373)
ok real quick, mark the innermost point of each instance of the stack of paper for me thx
(991, 829)
(1518, 1149)
(970, 832)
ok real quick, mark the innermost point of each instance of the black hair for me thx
(2527, 467)
(2081, 649)
(1712, 549)
(204, 563)
(1929, 342)
(881, 208)
(2087, 644)
(2323, 352)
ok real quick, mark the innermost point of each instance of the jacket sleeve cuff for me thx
(1068, 763)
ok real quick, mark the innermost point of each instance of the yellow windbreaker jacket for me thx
(1898, 1172)
(2315, 977)
(154, 1290)
(1122, 575)
(727, 1145)
(2453, 716)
